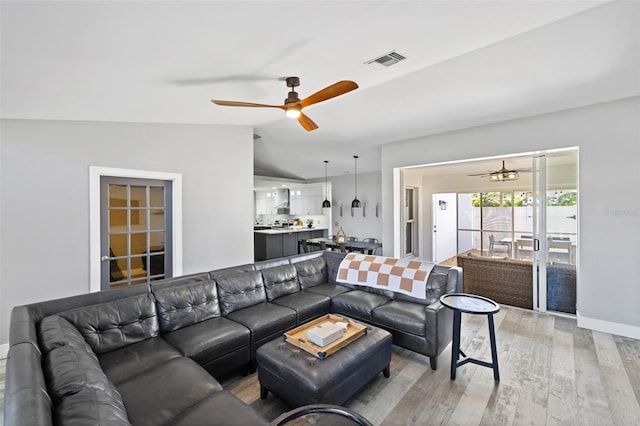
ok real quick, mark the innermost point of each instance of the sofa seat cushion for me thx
(358, 304)
(211, 339)
(328, 289)
(265, 319)
(157, 396)
(90, 406)
(227, 409)
(306, 304)
(402, 316)
(123, 364)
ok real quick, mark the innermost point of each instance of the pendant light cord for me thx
(355, 171)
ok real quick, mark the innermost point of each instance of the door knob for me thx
(105, 258)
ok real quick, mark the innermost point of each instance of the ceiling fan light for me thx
(293, 112)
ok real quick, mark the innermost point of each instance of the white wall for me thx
(608, 136)
(44, 196)
(342, 191)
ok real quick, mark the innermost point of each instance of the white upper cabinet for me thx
(264, 202)
(306, 201)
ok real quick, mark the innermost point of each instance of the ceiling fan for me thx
(503, 174)
(293, 105)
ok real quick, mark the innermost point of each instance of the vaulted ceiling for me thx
(468, 63)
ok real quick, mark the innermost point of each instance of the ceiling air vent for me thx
(387, 59)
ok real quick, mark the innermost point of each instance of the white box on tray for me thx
(325, 333)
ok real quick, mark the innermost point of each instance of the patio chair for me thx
(493, 242)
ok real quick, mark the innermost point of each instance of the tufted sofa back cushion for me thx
(311, 272)
(280, 281)
(81, 392)
(333, 260)
(184, 301)
(55, 331)
(232, 270)
(112, 325)
(240, 291)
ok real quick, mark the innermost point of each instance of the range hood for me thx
(282, 201)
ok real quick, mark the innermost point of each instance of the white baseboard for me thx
(4, 350)
(617, 328)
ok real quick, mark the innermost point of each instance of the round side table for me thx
(477, 305)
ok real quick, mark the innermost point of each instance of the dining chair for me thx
(372, 240)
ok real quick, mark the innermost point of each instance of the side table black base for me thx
(471, 304)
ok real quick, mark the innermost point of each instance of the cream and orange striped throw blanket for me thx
(401, 275)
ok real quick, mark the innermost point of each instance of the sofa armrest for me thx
(23, 327)
(439, 326)
(26, 401)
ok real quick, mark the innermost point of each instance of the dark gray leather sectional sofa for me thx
(148, 355)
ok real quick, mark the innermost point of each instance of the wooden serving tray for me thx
(298, 336)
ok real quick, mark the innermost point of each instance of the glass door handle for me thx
(105, 258)
(536, 244)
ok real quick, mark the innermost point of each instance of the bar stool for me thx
(477, 305)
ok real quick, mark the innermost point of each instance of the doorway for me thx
(444, 206)
(135, 231)
(97, 251)
(526, 221)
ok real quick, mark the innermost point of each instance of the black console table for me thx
(471, 304)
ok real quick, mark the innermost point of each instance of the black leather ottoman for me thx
(299, 378)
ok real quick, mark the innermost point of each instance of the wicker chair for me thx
(507, 281)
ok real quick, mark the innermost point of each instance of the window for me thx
(410, 222)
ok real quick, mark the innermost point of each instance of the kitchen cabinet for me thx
(290, 244)
(264, 202)
(272, 245)
(306, 201)
(267, 246)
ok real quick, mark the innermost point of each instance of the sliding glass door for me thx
(554, 244)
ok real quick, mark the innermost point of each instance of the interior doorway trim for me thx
(95, 173)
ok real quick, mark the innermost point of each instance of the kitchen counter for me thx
(280, 242)
(288, 230)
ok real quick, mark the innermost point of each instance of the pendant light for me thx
(355, 204)
(326, 203)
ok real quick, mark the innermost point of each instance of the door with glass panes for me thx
(135, 235)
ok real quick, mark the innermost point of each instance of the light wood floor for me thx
(551, 373)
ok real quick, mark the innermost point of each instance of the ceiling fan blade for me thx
(336, 89)
(306, 122)
(244, 104)
(480, 174)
